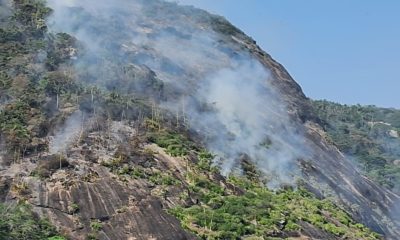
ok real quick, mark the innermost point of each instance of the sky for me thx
(339, 50)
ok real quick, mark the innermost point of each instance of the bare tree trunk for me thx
(152, 111)
(177, 118)
(183, 111)
(57, 101)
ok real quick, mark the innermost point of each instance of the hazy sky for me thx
(340, 50)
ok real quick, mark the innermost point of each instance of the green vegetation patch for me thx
(258, 212)
(368, 134)
(175, 144)
(261, 212)
(18, 222)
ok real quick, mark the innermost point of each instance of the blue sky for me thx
(340, 50)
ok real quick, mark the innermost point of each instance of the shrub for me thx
(260, 212)
(19, 222)
(174, 144)
(96, 225)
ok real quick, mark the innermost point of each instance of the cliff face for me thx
(328, 172)
(134, 68)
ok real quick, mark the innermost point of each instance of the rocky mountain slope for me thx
(148, 120)
(369, 135)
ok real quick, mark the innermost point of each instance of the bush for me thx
(174, 144)
(96, 225)
(260, 212)
(19, 222)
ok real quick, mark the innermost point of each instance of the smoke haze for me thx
(68, 134)
(223, 92)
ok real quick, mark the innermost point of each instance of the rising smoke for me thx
(224, 93)
(68, 134)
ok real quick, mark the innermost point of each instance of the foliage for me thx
(18, 222)
(363, 133)
(13, 123)
(91, 236)
(37, 80)
(73, 208)
(57, 83)
(138, 172)
(205, 160)
(165, 179)
(21, 39)
(224, 27)
(56, 238)
(30, 94)
(261, 212)
(175, 144)
(96, 225)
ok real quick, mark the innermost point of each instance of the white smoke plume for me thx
(68, 134)
(227, 95)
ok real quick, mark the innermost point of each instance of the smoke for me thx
(68, 134)
(224, 94)
(247, 117)
(5, 11)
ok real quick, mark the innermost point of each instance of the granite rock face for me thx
(85, 199)
(328, 172)
(75, 188)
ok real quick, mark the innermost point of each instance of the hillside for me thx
(149, 120)
(369, 135)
